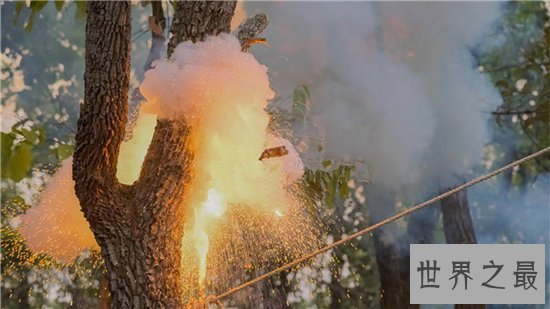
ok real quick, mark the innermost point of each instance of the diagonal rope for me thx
(375, 226)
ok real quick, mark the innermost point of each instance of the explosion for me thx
(56, 226)
(241, 206)
(245, 213)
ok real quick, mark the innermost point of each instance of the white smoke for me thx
(392, 83)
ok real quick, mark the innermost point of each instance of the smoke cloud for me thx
(56, 226)
(392, 83)
(233, 199)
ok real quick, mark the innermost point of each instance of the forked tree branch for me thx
(167, 158)
(104, 111)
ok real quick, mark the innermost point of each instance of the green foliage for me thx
(7, 145)
(35, 146)
(37, 6)
(20, 162)
(291, 117)
(14, 207)
(64, 151)
(330, 182)
(25, 148)
(17, 147)
(34, 7)
(59, 4)
(519, 66)
(80, 10)
(327, 183)
(301, 104)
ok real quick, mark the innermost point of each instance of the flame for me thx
(239, 16)
(133, 151)
(212, 209)
(244, 213)
(227, 138)
(56, 225)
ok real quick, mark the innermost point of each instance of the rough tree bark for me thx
(457, 221)
(138, 227)
(458, 227)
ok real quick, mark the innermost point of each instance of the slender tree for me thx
(139, 227)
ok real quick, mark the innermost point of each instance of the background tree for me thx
(520, 69)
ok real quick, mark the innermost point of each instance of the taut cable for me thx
(375, 226)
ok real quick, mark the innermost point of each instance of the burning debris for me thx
(273, 152)
(249, 42)
(250, 29)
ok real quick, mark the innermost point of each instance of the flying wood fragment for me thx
(274, 152)
(250, 30)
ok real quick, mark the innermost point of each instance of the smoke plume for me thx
(394, 84)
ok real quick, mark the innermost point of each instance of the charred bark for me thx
(139, 227)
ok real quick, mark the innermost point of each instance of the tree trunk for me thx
(392, 256)
(138, 227)
(104, 295)
(393, 267)
(458, 227)
(457, 221)
(421, 225)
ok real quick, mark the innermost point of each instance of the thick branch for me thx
(193, 20)
(158, 13)
(165, 169)
(104, 112)
(510, 113)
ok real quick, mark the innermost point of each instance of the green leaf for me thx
(300, 103)
(41, 131)
(32, 136)
(21, 162)
(14, 207)
(35, 6)
(64, 151)
(19, 5)
(344, 190)
(30, 21)
(59, 4)
(7, 144)
(80, 9)
(38, 4)
(502, 84)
